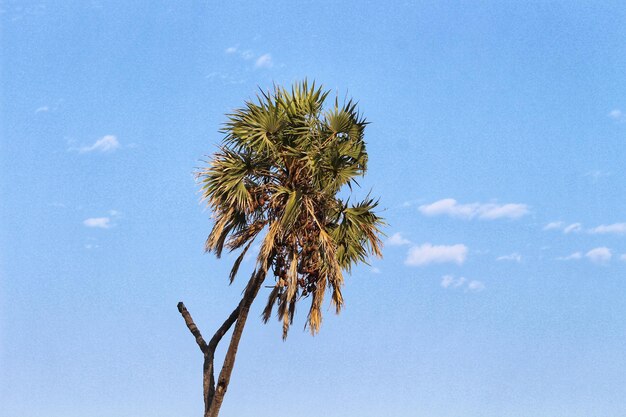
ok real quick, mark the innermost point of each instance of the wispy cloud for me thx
(487, 211)
(260, 61)
(450, 282)
(574, 256)
(98, 222)
(601, 255)
(615, 228)
(225, 78)
(573, 228)
(408, 203)
(49, 108)
(515, 257)
(264, 61)
(105, 144)
(565, 228)
(243, 54)
(427, 254)
(105, 222)
(603, 229)
(617, 115)
(375, 270)
(397, 240)
(554, 226)
(622, 257)
(475, 286)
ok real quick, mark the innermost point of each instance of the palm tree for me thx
(283, 162)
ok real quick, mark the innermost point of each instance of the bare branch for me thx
(223, 329)
(192, 327)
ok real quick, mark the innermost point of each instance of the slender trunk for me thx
(209, 393)
(213, 394)
(208, 383)
(229, 361)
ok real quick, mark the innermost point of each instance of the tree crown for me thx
(280, 169)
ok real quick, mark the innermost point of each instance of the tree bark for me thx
(229, 361)
(192, 327)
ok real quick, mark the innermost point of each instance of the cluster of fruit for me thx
(308, 263)
(260, 196)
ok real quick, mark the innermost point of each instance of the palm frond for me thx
(237, 263)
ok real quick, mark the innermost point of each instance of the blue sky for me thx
(497, 141)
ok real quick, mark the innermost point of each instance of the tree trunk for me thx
(208, 383)
(213, 394)
(209, 392)
(229, 361)
(208, 379)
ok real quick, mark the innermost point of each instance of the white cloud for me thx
(448, 206)
(49, 108)
(489, 211)
(224, 78)
(600, 255)
(573, 228)
(615, 228)
(98, 222)
(623, 257)
(448, 281)
(375, 270)
(260, 61)
(427, 253)
(553, 226)
(515, 257)
(476, 286)
(570, 228)
(573, 256)
(108, 143)
(247, 54)
(616, 114)
(397, 240)
(264, 61)
(510, 211)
